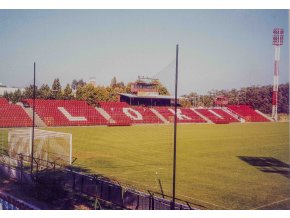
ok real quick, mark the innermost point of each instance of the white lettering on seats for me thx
(216, 114)
(69, 116)
(133, 114)
(179, 114)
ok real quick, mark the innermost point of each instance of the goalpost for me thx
(48, 145)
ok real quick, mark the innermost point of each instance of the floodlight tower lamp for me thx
(278, 35)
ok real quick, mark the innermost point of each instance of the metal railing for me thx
(92, 186)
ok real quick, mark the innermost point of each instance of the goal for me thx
(48, 145)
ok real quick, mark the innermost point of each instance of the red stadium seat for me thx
(66, 112)
(121, 112)
(247, 113)
(3, 102)
(79, 113)
(217, 115)
(12, 115)
(184, 115)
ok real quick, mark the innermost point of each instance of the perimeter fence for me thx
(103, 190)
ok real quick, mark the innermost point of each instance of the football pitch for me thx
(234, 166)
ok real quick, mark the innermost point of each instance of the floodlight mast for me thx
(278, 35)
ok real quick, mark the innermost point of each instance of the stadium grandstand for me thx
(84, 131)
(144, 105)
(12, 115)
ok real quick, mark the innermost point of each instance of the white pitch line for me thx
(203, 201)
(276, 202)
(130, 181)
(137, 171)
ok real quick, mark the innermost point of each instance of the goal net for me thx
(48, 145)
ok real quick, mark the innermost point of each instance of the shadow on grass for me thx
(63, 191)
(268, 165)
(54, 189)
(60, 187)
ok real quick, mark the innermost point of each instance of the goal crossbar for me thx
(46, 142)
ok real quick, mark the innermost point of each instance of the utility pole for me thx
(175, 129)
(33, 120)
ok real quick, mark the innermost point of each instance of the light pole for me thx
(278, 34)
(33, 120)
(175, 129)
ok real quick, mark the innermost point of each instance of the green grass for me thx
(209, 170)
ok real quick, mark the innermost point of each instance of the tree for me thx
(28, 92)
(162, 90)
(44, 92)
(6, 95)
(81, 83)
(113, 82)
(128, 88)
(79, 93)
(16, 96)
(67, 93)
(192, 98)
(185, 102)
(76, 83)
(113, 92)
(121, 84)
(56, 89)
(259, 97)
(207, 100)
(90, 94)
(102, 94)
(283, 98)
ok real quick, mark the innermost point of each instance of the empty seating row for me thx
(247, 113)
(117, 115)
(14, 116)
(218, 116)
(3, 102)
(184, 115)
(225, 115)
(121, 112)
(79, 113)
(148, 115)
(66, 112)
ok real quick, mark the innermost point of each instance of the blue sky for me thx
(219, 49)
